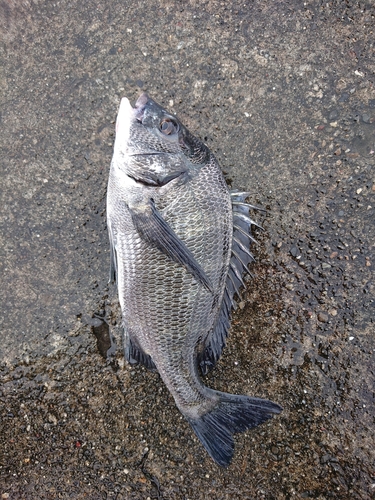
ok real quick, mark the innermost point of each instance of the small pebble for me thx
(294, 251)
(344, 97)
(366, 118)
(323, 317)
(325, 458)
(52, 419)
(333, 114)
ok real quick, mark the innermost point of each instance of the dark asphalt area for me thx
(283, 92)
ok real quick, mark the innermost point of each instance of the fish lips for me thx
(127, 115)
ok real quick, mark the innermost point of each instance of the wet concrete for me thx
(283, 93)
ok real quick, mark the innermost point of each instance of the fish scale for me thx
(179, 249)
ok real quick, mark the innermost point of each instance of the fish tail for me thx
(231, 415)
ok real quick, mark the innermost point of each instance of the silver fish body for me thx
(179, 249)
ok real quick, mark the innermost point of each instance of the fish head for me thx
(151, 139)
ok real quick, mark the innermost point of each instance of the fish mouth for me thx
(124, 115)
(127, 113)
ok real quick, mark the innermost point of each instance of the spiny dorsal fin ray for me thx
(234, 268)
(241, 195)
(246, 218)
(243, 248)
(233, 286)
(248, 236)
(242, 262)
(248, 205)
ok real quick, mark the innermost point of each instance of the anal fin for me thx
(135, 355)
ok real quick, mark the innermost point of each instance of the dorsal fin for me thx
(241, 257)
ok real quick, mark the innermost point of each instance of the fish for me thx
(179, 250)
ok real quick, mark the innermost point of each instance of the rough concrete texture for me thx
(283, 93)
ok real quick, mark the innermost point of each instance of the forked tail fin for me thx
(232, 414)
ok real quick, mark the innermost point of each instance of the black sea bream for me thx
(179, 249)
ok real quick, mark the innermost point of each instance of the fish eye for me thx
(168, 126)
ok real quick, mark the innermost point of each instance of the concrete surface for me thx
(283, 93)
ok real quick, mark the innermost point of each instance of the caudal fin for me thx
(232, 414)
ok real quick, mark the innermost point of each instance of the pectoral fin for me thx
(155, 230)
